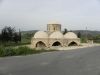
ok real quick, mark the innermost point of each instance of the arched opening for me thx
(73, 44)
(40, 44)
(56, 44)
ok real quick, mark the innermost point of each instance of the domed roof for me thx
(70, 35)
(53, 22)
(56, 34)
(41, 34)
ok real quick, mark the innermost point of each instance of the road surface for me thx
(73, 62)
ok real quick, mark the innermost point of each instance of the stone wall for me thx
(53, 27)
(50, 41)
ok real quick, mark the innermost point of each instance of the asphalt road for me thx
(73, 62)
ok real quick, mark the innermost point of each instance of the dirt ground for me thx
(82, 45)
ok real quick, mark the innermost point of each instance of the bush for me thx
(12, 51)
(7, 51)
(1, 51)
(83, 40)
(23, 51)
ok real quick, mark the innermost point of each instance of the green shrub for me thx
(23, 51)
(15, 51)
(1, 51)
(9, 51)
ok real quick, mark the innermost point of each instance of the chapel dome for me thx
(41, 34)
(70, 35)
(56, 35)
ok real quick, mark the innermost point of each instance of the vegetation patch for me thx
(12, 51)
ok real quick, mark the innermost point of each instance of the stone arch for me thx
(57, 43)
(40, 44)
(73, 43)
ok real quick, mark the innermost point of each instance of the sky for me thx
(35, 14)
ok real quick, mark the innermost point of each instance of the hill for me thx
(29, 32)
(83, 32)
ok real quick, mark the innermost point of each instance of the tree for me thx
(0, 37)
(90, 36)
(19, 36)
(65, 31)
(79, 35)
(15, 37)
(9, 34)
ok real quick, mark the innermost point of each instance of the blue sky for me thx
(35, 14)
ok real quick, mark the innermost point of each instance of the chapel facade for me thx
(54, 37)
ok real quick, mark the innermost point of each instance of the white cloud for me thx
(31, 14)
